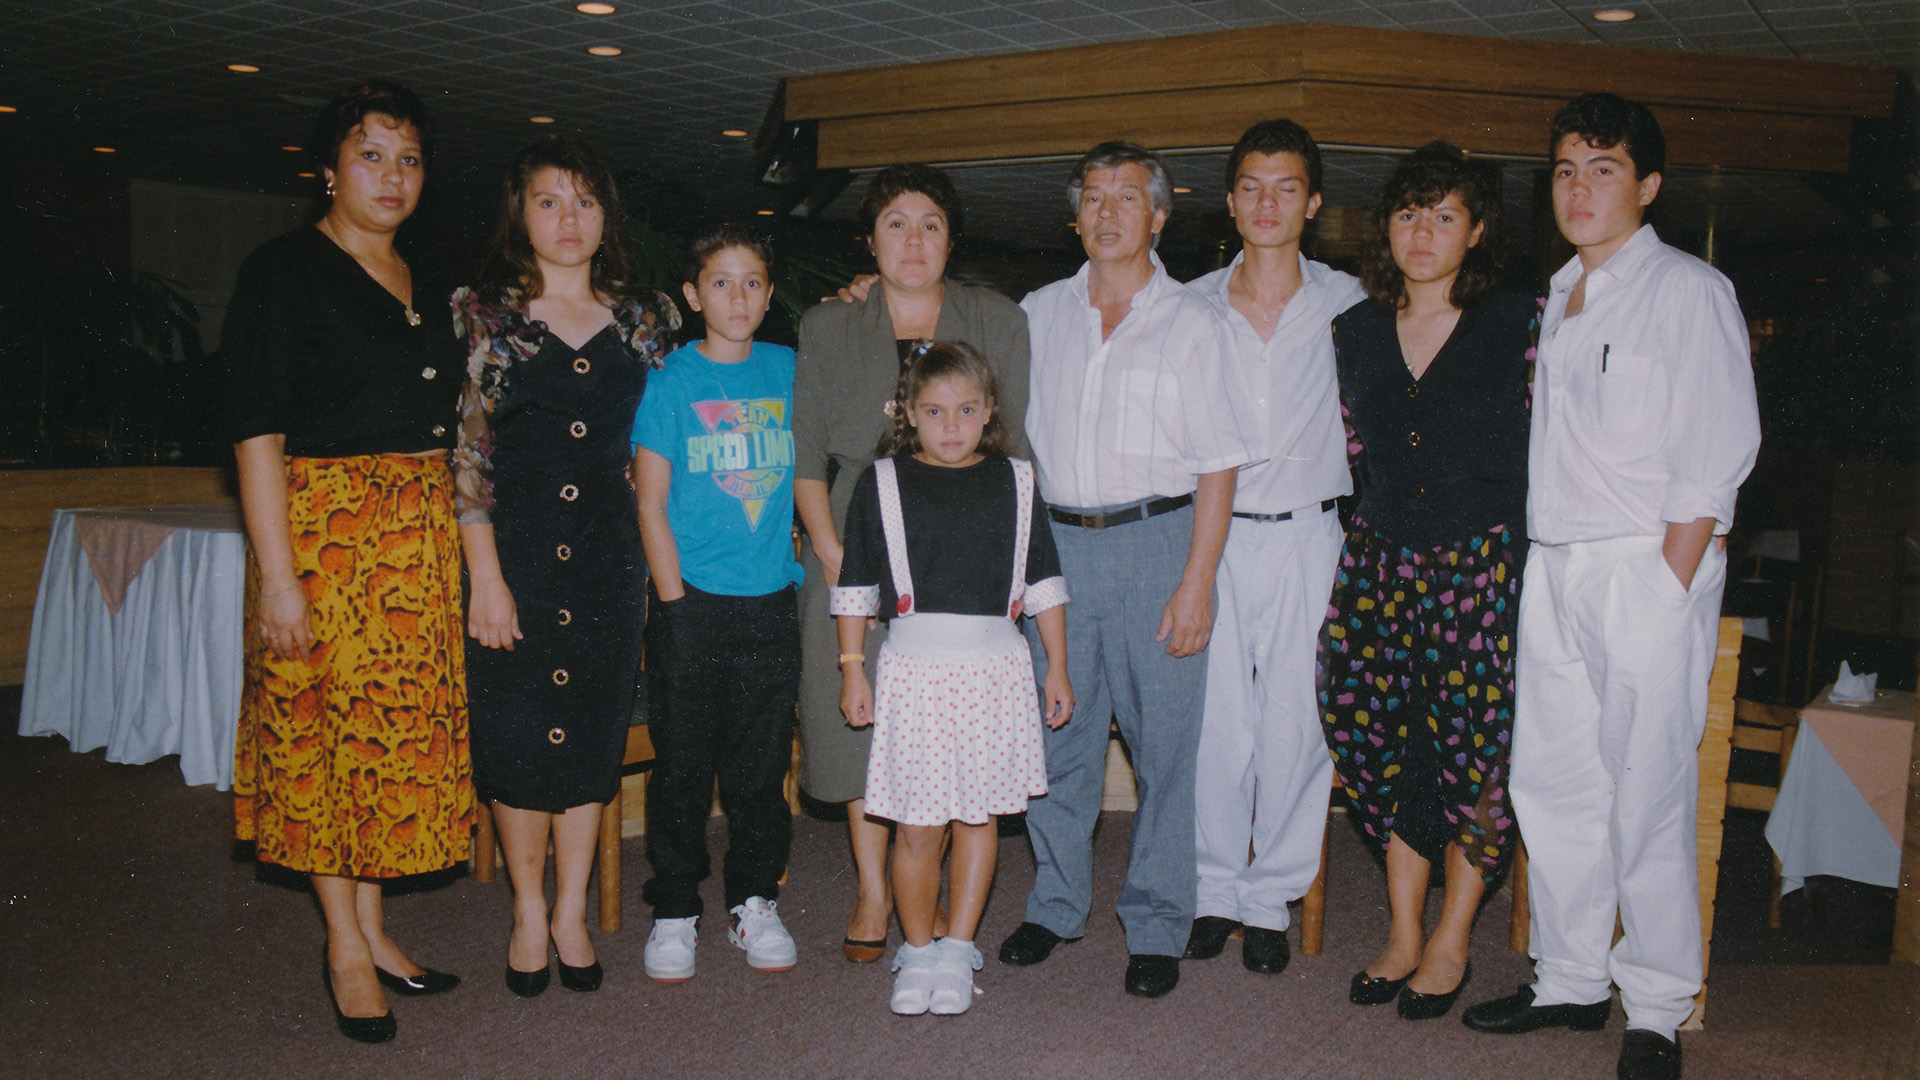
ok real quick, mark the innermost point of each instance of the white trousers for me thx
(1611, 701)
(1264, 775)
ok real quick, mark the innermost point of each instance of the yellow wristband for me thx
(846, 656)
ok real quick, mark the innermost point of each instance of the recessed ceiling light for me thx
(1614, 15)
(307, 175)
(605, 50)
(291, 149)
(764, 213)
(244, 69)
(1183, 191)
(540, 119)
(103, 150)
(594, 9)
(7, 109)
(734, 133)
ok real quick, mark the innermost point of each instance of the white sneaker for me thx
(913, 985)
(953, 977)
(670, 950)
(755, 927)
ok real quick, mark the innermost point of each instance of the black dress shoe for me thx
(1367, 990)
(1029, 943)
(1646, 1056)
(366, 1029)
(1516, 1014)
(1265, 951)
(1152, 976)
(1415, 1005)
(1209, 936)
(427, 982)
(528, 984)
(583, 979)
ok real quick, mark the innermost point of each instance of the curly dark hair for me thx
(511, 263)
(1423, 179)
(726, 235)
(377, 97)
(1604, 121)
(933, 362)
(913, 178)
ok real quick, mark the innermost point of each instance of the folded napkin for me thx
(1851, 689)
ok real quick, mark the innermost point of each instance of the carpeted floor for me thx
(133, 945)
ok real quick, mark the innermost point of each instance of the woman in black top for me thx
(343, 372)
(1417, 654)
(552, 533)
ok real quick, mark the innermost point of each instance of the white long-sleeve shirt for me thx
(1643, 409)
(1142, 414)
(1295, 387)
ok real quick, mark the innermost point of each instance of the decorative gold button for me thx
(439, 430)
(569, 493)
(578, 429)
(563, 553)
(428, 373)
(560, 677)
(1419, 491)
(565, 616)
(1413, 389)
(1413, 438)
(556, 736)
(581, 366)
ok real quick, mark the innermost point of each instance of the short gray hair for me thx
(1112, 155)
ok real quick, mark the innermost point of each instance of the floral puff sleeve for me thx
(495, 340)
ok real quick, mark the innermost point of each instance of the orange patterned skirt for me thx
(354, 761)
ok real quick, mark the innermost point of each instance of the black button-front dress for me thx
(551, 434)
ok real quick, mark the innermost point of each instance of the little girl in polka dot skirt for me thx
(947, 540)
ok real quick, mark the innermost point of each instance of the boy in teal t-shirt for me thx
(713, 463)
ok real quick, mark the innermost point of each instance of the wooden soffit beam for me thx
(1350, 86)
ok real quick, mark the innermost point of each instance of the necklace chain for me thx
(413, 317)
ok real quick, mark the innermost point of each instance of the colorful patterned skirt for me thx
(1416, 690)
(354, 761)
(956, 722)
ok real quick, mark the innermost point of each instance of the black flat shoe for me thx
(1516, 1014)
(1265, 952)
(1415, 1005)
(1647, 1056)
(583, 979)
(1367, 990)
(366, 1029)
(1209, 936)
(1029, 943)
(427, 982)
(1152, 976)
(528, 984)
(863, 952)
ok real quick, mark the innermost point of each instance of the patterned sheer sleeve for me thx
(472, 455)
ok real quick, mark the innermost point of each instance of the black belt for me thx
(1122, 516)
(1325, 506)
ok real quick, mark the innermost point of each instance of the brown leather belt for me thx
(1325, 506)
(1126, 514)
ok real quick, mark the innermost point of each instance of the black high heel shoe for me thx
(528, 984)
(1367, 990)
(1415, 1005)
(366, 1029)
(582, 979)
(427, 982)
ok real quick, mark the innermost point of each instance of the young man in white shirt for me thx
(1138, 422)
(1264, 768)
(1644, 426)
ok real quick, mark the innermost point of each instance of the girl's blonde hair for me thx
(932, 363)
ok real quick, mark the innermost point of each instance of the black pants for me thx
(723, 676)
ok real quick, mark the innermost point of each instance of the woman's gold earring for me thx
(329, 189)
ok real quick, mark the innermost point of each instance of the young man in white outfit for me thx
(1264, 772)
(1644, 426)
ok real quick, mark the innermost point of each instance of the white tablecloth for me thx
(1822, 821)
(160, 676)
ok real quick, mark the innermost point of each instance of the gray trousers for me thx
(1121, 579)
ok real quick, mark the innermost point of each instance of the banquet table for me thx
(1843, 802)
(136, 639)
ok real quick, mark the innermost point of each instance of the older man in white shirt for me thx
(1138, 423)
(1644, 427)
(1265, 775)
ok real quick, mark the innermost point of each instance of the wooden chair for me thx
(1716, 748)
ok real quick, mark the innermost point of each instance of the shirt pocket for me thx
(1149, 406)
(1629, 391)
